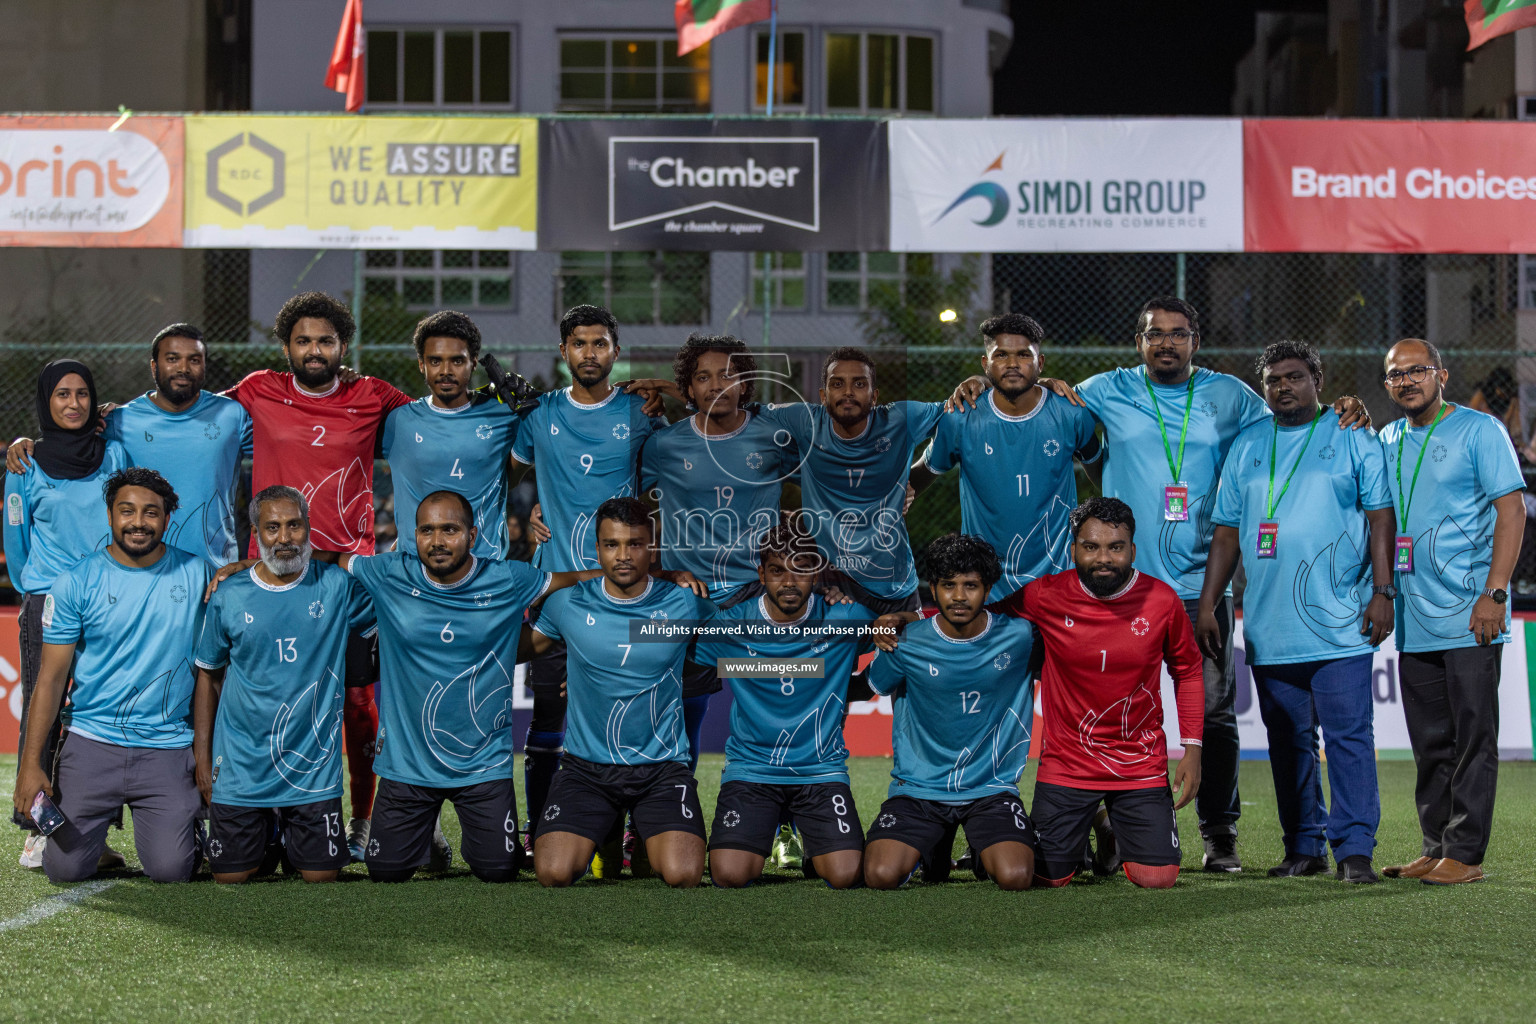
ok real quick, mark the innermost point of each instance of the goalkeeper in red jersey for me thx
(1107, 631)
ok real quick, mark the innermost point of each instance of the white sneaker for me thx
(32, 851)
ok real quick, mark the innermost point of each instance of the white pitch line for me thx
(57, 904)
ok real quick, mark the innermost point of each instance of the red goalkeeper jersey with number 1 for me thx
(1100, 689)
(323, 445)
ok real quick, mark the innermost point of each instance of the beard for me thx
(137, 544)
(312, 376)
(1103, 586)
(178, 391)
(284, 565)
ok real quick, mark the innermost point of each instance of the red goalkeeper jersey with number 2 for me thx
(323, 445)
(1100, 689)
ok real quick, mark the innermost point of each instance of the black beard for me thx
(136, 545)
(455, 566)
(1297, 416)
(177, 392)
(1012, 392)
(1101, 587)
(312, 378)
(589, 377)
(844, 419)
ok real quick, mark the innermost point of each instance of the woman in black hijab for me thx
(54, 511)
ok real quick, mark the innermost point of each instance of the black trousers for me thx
(1217, 803)
(1451, 703)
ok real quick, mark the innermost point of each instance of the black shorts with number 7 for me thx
(587, 798)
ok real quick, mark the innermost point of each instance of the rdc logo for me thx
(1140, 626)
(316, 609)
(731, 819)
(1002, 661)
(178, 593)
(215, 848)
(1052, 448)
(551, 812)
(886, 820)
(754, 460)
(212, 431)
(483, 431)
(621, 431)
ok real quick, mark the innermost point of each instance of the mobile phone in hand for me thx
(45, 816)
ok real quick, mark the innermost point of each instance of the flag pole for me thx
(773, 50)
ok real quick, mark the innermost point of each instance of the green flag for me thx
(1485, 18)
(699, 21)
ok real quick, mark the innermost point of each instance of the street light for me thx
(948, 316)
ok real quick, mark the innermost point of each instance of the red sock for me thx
(360, 727)
(1149, 876)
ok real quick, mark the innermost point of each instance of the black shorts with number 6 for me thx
(748, 814)
(921, 824)
(586, 799)
(1146, 826)
(312, 836)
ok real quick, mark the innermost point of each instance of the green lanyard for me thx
(1404, 502)
(1189, 403)
(1272, 501)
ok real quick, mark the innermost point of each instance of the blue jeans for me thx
(1294, 701)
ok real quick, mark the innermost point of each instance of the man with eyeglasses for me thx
(1309, 510)
(1190, 415)
(1460, 518)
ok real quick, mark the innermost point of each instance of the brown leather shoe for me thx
(1414, 869)
(1452, 872)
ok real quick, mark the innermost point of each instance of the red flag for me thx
(1489, 18)
(699, 21)
(345, 72)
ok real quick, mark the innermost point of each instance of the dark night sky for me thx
(1138, 57)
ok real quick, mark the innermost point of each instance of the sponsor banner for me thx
(791, 184)
(1390, 186)
(362, 182)
(868, 729)
(1066, 186)
(80, 182)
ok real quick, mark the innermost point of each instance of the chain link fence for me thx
(103, 306)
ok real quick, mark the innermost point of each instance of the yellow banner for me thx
(356, 182)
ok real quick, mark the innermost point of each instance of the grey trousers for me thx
(1217, 803)
(95, 780)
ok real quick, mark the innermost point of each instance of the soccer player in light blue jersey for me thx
(267, 710)
(785, 757)
(963, 702)
(627, 751)
(1018, 481)
(454, 439)
(1307, 506)
(1460, 520)
(53, 519)
(123, 623)
(192, 437)
(584, 442)
(1167, 427)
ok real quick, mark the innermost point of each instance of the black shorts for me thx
(405, 816)
(311, 834)
(1146, 828)
(586, 799)
(748, 814)
(921, 824)
(362, 660)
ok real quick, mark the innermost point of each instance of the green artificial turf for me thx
(1241, 948)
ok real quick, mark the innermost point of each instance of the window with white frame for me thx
(422, 66)
(441, 278)
(632, 73)
(854, 280)
(869, 72)
(790, 93)
(785, 280)
(639, 287)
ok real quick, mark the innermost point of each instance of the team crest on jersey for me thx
(351, 412)
(178, 593)
(212, 431)
(754, 460)
(1209, 408)
(821, 647)
(316, 609)
(551, 812)
(1140, 626)
(1439, 453)
(483, 431)
(1052, 448)
(621, 431)
(13, 509)
(483, 599)
(886, 820)
(1326, 452)
(882, 444)
(731, 819)
(659, 615)
(1002, 661)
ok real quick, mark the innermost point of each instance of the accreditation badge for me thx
(1402, 559)
(1176, 502)
(1267, 536)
